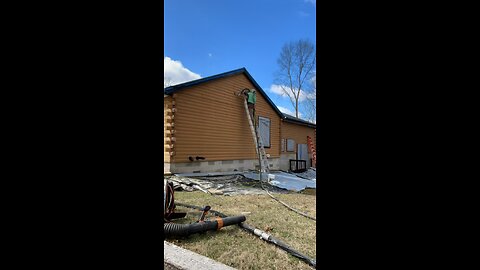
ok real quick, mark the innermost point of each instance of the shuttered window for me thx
(264, 130)
(290, 145)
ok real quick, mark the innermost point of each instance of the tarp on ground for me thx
(311, 174)
(285, 180)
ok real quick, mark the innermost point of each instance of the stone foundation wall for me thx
(284, 161)
(166, 167)
(218, 166)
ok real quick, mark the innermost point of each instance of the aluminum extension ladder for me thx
(258, 142)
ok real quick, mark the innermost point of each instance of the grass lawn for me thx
(242, 250)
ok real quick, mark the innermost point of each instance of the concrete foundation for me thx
(285, 160)
(218, 166)
(166, 168)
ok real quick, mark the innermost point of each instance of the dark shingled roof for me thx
(288, 118)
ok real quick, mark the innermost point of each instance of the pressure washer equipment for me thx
(169, 203)
(263, 235)
(175, 230)
(204, 213)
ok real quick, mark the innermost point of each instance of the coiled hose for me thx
(174, 229)
(263, 235)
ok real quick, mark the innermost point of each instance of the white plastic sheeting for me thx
(227, 182)
(285, 180)
(309, 174)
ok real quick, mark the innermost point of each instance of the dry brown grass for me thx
(237, 248)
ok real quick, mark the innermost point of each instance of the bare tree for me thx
(297, 62)
(310, 103)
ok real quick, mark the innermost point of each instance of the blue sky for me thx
(207, 37)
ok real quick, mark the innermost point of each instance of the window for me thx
(283, 145)
(290, 145)
(264, 130)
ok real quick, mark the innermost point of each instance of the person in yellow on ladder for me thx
(251, 97)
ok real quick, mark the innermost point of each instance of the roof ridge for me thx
(174, 88)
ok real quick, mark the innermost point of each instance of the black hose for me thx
(263, 235)
(173, 229)
(269, 238)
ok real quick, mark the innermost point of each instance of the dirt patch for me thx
(309, 191)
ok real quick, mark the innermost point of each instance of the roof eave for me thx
(172, 89)
(299, 123)
(264, 94)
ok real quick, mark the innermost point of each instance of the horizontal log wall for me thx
(211, 122)
(168, 127)
(298, 133)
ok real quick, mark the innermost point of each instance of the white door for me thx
(302, 153)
